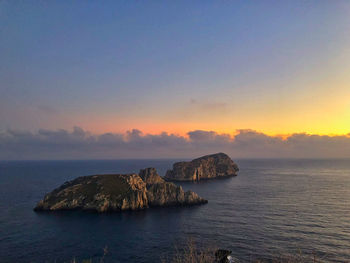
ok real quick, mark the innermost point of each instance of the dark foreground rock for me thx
(206, 167)
(223, 256)
(117, 192)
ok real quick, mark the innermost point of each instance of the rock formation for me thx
(150, 176)
(223, 256)
(162, 193)
(206, 167)
(117, 192)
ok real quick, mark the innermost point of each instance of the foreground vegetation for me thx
(191, 253)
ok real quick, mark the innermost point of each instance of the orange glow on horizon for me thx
(183, 129)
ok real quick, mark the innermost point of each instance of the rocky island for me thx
(207, 167)
(117, 192)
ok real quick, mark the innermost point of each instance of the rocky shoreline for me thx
(213, 166)
(120, 192)
(117, 192)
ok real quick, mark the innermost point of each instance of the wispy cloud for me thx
(208, 106)
(46, 109)
(80, 144)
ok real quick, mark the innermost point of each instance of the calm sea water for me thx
(273, 207)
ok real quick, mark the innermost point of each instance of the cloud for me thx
(208, 106)
(46, 109)
(80, 144)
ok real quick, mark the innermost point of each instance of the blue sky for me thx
(278, 67)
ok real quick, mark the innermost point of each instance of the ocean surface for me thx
(272, 207)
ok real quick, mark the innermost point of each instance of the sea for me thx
(272, 208)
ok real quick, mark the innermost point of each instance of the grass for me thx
(192, 253)
(101, 260)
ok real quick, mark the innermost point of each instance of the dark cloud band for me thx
(80, 144)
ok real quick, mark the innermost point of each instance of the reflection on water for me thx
(272, 207)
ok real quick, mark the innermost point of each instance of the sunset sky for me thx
(275, 67)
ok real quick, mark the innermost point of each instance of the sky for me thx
(80, 71)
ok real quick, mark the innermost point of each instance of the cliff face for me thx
(117, 192)
(161, 193)
(150, 176)
(206, 167)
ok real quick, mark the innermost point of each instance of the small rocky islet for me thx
(212, 166)
(119, 192)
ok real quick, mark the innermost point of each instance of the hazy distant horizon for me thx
(174, 159)
(78, 144)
